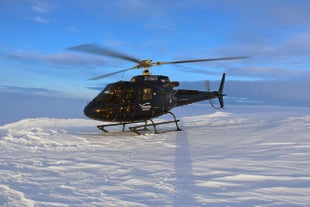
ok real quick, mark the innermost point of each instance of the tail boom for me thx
(185, 97)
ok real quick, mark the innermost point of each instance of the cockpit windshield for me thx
(111, 94)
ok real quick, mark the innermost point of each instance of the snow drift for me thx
(244, 157)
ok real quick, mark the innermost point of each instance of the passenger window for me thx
(146, 94)
(129, 93)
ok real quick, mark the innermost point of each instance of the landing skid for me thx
(138, 128)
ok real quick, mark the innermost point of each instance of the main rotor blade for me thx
(99, 50)
(200, 60)
(110, 74)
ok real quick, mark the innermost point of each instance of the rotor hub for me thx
(145, 64)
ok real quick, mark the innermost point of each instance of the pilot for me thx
(112, 92)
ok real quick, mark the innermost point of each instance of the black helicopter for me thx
(145, 96)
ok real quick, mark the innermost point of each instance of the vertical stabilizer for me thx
(221, 88)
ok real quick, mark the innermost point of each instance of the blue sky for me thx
(35, 34)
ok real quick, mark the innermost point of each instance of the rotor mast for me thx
(145, 64)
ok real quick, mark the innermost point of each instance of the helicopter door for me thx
(146, 97)
(129, 96)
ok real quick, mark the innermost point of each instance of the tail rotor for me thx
(207, 84)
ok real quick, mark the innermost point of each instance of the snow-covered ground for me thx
(242, 156)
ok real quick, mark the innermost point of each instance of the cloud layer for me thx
(276, 34)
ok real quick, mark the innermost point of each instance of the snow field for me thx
(227, 158)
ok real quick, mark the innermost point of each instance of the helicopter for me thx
(145, 96)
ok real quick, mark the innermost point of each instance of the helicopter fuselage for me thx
(142, 98)
(146, 96)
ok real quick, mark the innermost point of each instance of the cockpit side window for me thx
(110, 94)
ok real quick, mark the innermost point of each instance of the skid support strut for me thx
(102, 127)
(138, 128)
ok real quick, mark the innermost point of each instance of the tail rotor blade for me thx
(207, 84)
